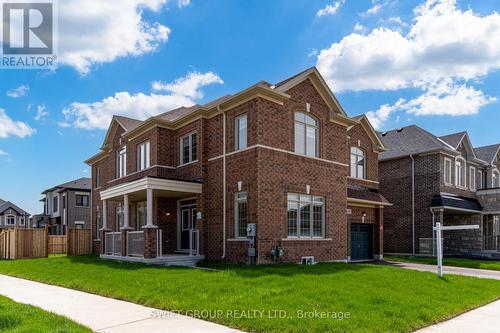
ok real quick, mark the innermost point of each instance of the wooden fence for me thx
(23, 243)
(79, 242)
(57, 244)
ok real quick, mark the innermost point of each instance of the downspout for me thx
(433, 233)
(413, 203)
(224, 185)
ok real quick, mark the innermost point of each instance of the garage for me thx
(361, 241)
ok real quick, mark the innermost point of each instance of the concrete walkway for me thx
(479, 273)
(485, 319)
(102, 314)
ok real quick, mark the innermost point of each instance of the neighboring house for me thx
(66, 206)
(12, 216)
(432, 179)
(284, 157)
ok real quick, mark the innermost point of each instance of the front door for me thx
(186, 225)
(361, 241)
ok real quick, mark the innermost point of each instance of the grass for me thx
(378, 298)
(16, 317)
(457, 262)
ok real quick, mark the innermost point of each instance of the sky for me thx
(432, 63)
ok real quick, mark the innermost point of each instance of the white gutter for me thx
(224, 185)
(413, 203)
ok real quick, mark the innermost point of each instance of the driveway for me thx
(102, 314)
(479, 273)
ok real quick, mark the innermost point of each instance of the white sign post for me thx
(439, 231)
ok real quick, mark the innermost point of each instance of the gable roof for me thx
(367, 126)
(4, 205)
(454, 139)
(83, 184)
(487, 153)
(410, 140)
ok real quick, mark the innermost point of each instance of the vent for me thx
(308, 260)
(384, 133)
(399, 130)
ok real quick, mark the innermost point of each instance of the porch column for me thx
(105, 227)
(150, 230)
(126, 225)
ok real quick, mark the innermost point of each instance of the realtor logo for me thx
(28, 30)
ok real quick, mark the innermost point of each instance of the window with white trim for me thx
(10, 220)
(241, 129)
(495, 179)
(21, 221)
(81, 200)
(358, 163)
(460, 174)
(121, 162)
(240, 214)
(141, 215)
(188, 148)
(306, 216)
(55, 204)
(447, 171)
(143, 156)
(472, 178)
(306, 135)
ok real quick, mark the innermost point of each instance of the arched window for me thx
(495, 180)
(306, 135)
(460, 172)
(358, 163)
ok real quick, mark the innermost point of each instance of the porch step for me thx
(181, 260)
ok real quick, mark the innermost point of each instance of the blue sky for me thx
(431, 63)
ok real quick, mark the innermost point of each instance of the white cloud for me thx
(41, 112)
(95, 31)
(20, 91)
(374, 9)
(3, 153)
(182, 92)
(9, 127)
(358, 27)
(330, 9)
(183, 3)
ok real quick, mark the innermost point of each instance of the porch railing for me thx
(112, 243)
(194, 242)
(135, 243)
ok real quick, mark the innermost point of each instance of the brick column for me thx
(123, 242)
(378, 246)
(150, 242)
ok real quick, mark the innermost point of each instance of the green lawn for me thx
(378, 298)
(16, 317)
(457, 262)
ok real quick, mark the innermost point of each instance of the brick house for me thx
(65, 206)
(11, 216)
(183, 186)
(444, 179)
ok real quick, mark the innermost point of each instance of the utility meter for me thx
(251, 230)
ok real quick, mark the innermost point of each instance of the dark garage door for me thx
(361, 242)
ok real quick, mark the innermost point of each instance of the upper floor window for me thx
(82, 200)
(10, 220)
(241, 132)
(143, 156)
(358, 163)
(480, 175)
(188, 148)
(55, 204)
(97, 177)
(121, 162)
(460, 173)
(306, 135)
(21, 221)
(306, 216)
(495, 181)
(240, 215)
(472, 178)
(447, 171)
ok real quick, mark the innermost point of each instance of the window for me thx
(447, 171)
(10, 220)
(97, 177)
(240, 215)
(141, 215)
(306, 216)
(21, 221)
(143, 156)
(460, 173)
(480, 175)
(188, 148)
(358, 163)
(119, 218)
(82, 200)
(121, 162)
(241, 132)
(306, 135)
(55, 202)
(472, 179)
(495, 180)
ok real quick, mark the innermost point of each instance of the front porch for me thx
(152, 220)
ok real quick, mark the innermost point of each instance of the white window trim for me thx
(118, 164)
(236, 215)
(472, 178)
(450, 169)
(318, 133)
(88, 200)
(495, 171)
(181, 150)
(146, 158)
(7, 219)
(464, 186)
(481, 181)
(22, 221)
(363, 176)
(323, 220)
(237, 132)
(56, 197)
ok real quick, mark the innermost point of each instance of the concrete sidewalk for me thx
(479, 273)
(485, 319)
(102, 314)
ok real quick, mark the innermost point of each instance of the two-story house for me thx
(65, 206)
(12, 216)
(284, 157)
(432, 179)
